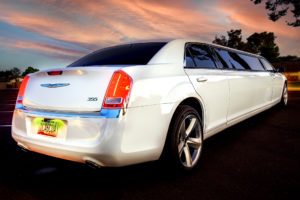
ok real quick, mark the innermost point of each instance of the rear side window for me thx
(224, 58)
(201, 55)
(233, 60)
(189, 61)
(238, 62)
(253, 62)
(129, 54)
(267, 65)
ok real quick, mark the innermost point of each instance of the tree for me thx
(29, 70)
(221, 40)
(15, 73)
(288, 58)
(5, 75)
(234, 39)
(258, 43)
(279, 8)
(263, 44)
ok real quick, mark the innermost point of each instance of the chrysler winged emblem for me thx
(54, 85)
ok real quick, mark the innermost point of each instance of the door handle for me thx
(201, 79)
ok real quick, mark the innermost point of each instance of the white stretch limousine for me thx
(133, 103)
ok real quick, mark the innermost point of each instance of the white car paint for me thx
(108, 137)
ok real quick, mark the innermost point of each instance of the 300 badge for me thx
(92, 99)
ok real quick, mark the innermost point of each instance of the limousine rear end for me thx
(139, 102)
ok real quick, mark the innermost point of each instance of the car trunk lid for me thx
(69, 89)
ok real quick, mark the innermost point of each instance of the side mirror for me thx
(280, 69)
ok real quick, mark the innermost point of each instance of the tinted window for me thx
(136, 54)
(253, 62)
(239, 63)
(221, 62)
(267, 65)
(224, 58)
(202, 56)
(232, 60)
(188, 59)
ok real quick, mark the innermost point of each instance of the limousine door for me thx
(277, 81)
(210, 84)
(249, 84)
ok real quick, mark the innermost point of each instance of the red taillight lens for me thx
(22, 90)
(54, 73)
(117, 94)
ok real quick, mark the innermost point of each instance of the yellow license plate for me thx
(48, 127)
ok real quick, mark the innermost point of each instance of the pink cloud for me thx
(95, 24)
(111, 21)
(36, 46)
(254, 18)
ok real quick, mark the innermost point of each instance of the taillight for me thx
(22, 90)
(54, 73)
(117, 93)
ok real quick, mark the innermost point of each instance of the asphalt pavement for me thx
(255, 159)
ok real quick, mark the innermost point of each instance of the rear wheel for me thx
(185, 138)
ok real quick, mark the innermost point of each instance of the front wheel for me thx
(185, 138)
(284, 96)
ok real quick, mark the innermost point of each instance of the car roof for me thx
(182, 40)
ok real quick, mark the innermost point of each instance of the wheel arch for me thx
(190, 101)
(195, 103)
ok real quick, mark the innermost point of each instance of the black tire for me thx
(185, 139)
(284, 96)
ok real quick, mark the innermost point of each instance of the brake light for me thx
(117, 93)
(53, 73)
(22, 90)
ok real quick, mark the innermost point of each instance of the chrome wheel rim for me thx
(285, 95)
(189, 141)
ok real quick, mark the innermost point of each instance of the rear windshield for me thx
(128, 54)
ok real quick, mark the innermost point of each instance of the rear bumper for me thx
(102, 139)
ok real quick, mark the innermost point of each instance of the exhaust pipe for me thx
(92, 164)
(23, 147)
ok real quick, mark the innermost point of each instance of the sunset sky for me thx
(53, 33)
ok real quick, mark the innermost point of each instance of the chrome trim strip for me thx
(104, 113)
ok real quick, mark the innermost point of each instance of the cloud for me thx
(48, 50)
(254, 18)
(92, 22)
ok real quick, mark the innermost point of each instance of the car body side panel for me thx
(214, 92)
(278, 83)
(158, 84)
(248, 91)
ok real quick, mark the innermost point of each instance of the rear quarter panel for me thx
(158, 84)
(156, 93)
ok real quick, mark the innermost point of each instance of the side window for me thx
(202, 56)
(267, 65)
(252, 61)
(221, 62)
(189, 62)
(224, 58)
(238, 62)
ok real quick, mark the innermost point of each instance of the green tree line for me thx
(15, 73)
(258, 43)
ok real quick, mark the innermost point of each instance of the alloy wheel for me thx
(189, 141)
